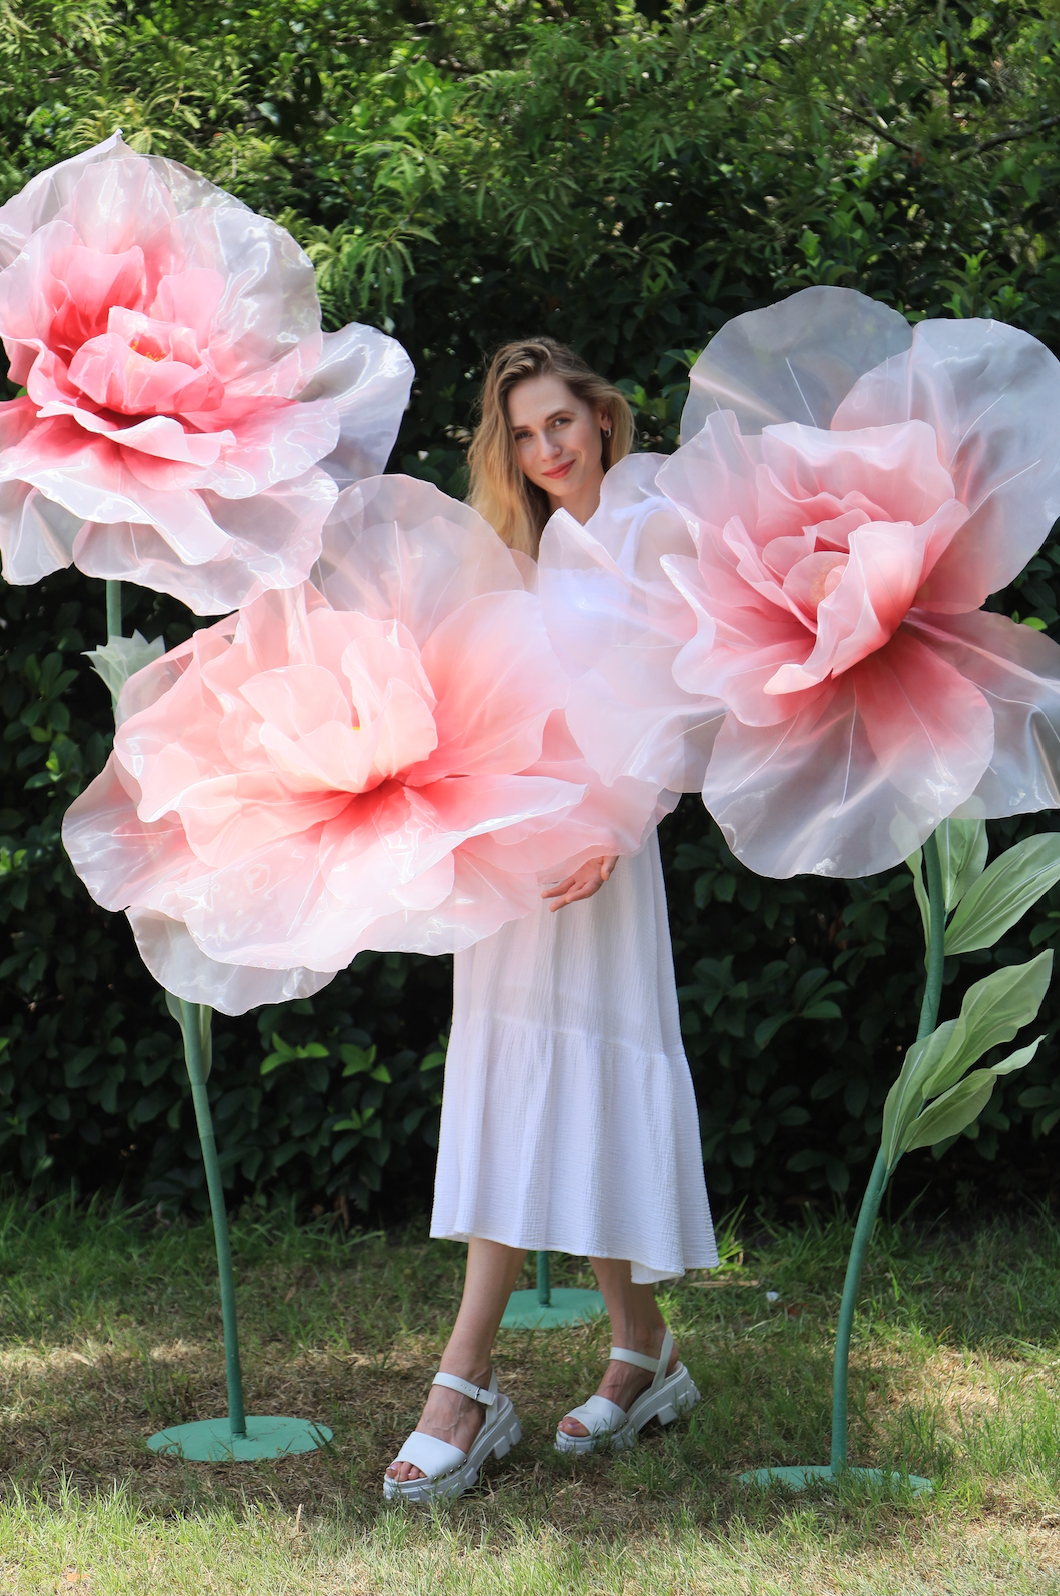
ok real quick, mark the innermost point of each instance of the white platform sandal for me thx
(610, 1426)
(448, 1471)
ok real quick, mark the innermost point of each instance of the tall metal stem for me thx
(113, 609)
(194, 1021)
(870, 1203)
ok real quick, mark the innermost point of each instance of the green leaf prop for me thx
(993, 1010)
(962, 857)
(1003, 893)
(121, 657)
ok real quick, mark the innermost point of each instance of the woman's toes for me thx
(573, 1427)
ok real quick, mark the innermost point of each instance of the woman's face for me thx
(557, 441)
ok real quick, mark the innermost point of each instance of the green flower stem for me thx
(197, 1075)
(870, 1203)
(544, 1283)
(113, 609)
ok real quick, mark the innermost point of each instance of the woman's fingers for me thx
(583, 883)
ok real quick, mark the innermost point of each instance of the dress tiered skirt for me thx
(569, 1120)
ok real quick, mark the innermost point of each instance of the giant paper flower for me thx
(856, 489)
(186, 424)
(380, 764)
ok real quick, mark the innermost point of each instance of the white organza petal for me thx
(398, 548)
(368, 377)
(170, 954)
(45, 196)
(992, 394)
(1017, 670)
(617, 624)
(36, 535)
(795, 361)
(271, 541)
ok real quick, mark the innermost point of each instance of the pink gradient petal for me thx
(990, 393)
(496, 682)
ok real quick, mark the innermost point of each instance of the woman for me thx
(568, 1120)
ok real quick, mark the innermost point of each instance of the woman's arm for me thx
(586, 880)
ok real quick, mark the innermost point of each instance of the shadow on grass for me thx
(111, 1330)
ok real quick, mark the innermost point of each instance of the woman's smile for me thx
(559, 442)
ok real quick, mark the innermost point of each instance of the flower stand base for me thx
(798, 1479)
(566, 1305)
(212, 1441)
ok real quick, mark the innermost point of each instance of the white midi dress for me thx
(569, 1120)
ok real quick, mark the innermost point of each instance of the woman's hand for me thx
(586, 880)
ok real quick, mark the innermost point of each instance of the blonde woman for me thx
(569, 1121)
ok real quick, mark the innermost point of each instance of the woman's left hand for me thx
(586, 880)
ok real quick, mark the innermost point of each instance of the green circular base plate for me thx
(566, 1306)
(212, 1441)
(797, 1479)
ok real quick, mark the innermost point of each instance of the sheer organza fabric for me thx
(382, 762)
(853, 490)
(186, 426)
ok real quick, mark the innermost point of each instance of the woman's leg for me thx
(492, 1270)
(636, 1325)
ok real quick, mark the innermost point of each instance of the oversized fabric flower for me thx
(856, 489)
(617, 625)
(380, 764)
(186, 425)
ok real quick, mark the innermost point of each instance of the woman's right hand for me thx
(586, 880)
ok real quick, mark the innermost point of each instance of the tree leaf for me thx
(962, 848)
(1004, 893)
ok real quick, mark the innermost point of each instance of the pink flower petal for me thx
(990, 393)
(179, 335)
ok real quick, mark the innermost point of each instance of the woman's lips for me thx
(559, 471)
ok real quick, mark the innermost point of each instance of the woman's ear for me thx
(605, 421)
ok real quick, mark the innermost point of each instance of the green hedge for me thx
(626, 177)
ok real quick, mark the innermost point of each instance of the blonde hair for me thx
(515, 507)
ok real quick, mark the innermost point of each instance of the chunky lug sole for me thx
(497, 1438)
(677, 1394)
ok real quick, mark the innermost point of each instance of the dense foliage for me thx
(626, 177)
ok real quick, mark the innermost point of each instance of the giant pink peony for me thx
(383, 763)
(856, 489)
(186, 424)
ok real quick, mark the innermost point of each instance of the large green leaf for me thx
(915, 865)
(993, 1010)
(906, 1096)
(1004, 893)
(953, 1112)
(962, 854)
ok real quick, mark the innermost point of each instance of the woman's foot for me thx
(623, 1382)
(448, 1416)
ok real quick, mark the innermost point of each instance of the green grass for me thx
(110, 1329)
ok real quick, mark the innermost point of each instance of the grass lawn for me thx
(110, 1329)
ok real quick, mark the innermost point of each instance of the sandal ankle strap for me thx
(655, 1366)
(487, 1396)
